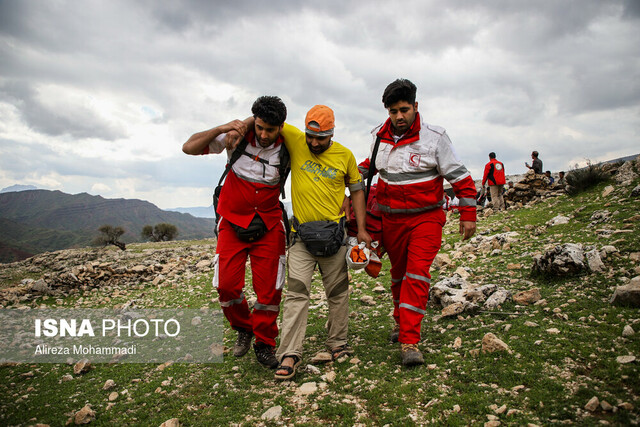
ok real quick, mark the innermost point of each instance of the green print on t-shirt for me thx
(316, 168)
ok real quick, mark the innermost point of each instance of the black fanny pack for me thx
(322, 238)
(253, 232)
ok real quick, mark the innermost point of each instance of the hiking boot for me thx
(243, 343)
(266, 354)
(411, 356)
(394, 334)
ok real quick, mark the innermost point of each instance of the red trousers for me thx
(268, 263)
(412, 242)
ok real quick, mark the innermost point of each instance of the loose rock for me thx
(173, 422)
(562, 260)
(628, 331)
(527, 297)
(272, 413)
(491, 344)
(308, 388)
(592, 404)
(84, 415)
(82, 367)
(627, 295)
(321, 357)
(594, 261)
(625, 359)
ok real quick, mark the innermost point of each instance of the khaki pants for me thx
(497, 201)
(296, 304)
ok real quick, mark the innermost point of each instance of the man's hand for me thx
(363, 236)
(235, 130)
(346, 207)
(467, 229)
(237, 125)
(232, 139)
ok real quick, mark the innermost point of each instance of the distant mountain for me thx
(40, 220)
(18, 187)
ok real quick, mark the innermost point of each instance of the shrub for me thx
(109, 235)
(162, 232)
(579, 180)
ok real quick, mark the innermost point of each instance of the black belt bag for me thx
(322, 238)
(253, 232)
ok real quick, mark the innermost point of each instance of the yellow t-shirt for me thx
(318, 181)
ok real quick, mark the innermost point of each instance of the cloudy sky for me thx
(99, 96)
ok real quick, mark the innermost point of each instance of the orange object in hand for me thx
(358, 255)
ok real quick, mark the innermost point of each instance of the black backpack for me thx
(283, 168)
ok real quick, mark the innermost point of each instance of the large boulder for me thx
(566, 259)
(627, 295)
(625, 175)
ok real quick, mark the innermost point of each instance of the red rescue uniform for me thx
(251, 188)
(412, 169)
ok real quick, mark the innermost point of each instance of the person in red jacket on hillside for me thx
(413, 158)
(494, 176)
(251, 225)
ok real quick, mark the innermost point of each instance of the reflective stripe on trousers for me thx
(412, 241)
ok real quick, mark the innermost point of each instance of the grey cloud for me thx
(631, 9)
(19, 161)
(76, 120)
(575, 56)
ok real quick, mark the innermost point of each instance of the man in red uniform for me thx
(413, 158)
(249, 201)
(494, 175)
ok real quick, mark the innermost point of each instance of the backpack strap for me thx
(284, 168)
(372, 166)
(239, 151)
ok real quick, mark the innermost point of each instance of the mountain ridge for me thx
(36, 221)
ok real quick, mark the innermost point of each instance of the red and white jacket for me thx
(413, 167)
(251, 187)
(494, 173)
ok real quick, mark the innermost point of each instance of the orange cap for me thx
(320, 121)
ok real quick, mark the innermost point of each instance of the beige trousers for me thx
(497, 201)
(296, 303)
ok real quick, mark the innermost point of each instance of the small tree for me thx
(110, 235)
(162, 232)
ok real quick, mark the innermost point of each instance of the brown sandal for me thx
(291, 370)
(343, 350)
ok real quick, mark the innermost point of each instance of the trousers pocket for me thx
(215, 280)
(282, 267)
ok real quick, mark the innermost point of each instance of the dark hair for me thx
(492, 155)
(535, 154)
(271, 109)
(399, 90)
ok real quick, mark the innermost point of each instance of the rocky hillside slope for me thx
(535, 320)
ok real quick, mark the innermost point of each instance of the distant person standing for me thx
(494, 177)
(536, 164)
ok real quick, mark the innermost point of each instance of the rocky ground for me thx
(533, 321)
